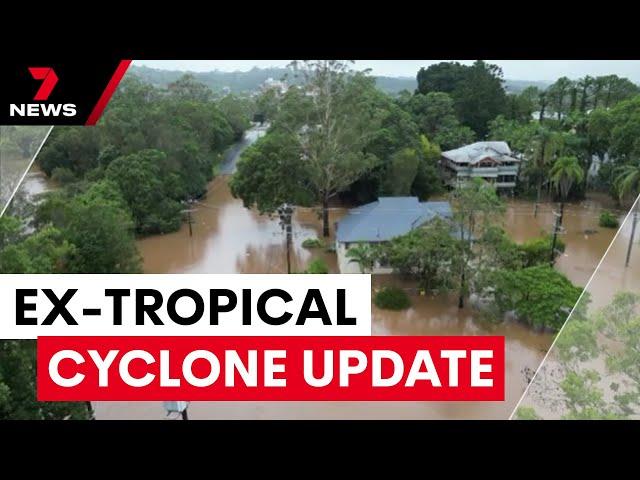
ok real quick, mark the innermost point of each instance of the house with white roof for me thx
(381, 221)
(491, 161)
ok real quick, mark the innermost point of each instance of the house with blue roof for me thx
(380, 221)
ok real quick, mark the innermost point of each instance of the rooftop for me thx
(478, 151)
(388, 217)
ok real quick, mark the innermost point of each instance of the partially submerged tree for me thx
(475, 205)
(364, 255)
(426, 253)
(331, 125)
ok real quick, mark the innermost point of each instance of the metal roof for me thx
(478, 151)
(388, 217)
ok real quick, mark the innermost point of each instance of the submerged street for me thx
(228, 238)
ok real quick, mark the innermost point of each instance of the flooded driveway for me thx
(228, 238)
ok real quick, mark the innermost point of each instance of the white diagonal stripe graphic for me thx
(584, 290)
(17, 187)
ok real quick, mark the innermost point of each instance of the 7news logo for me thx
(49, 79)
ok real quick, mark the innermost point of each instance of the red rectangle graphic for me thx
(395, 368)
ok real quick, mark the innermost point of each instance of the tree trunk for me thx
(586, 173)
(535, 209)
(325, 216)
(461, 296)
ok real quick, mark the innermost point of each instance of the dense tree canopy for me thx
(158, 146)
(476, 90)
(539, 295)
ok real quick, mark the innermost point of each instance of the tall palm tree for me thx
(627, 181)
(565, 173)
(544, 147)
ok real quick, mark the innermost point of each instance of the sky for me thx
(538, 70)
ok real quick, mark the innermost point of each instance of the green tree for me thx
(540, 296)
(331, 123)
(270, 173)
(402, 172)
(545, 145)
(238, 113)
(427, 181)
(475, 205)
(103, 236)
(73, 148)
(45, 251)
(267, 104)
(480, 97)
(364, 255)
(520, 107)
(559, 96)
(97, 224)
(426, 252)
(476, 90)
(17, 387)
(627, 181)
(188, 88)
(435, 115)
(149, 188)
(565, 173)
(526, 413)
(518, 135)
(441, 77)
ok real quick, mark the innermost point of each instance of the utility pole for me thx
(561, 212)
(633, 234)
(188, 211)
(285, 212)
(556, 230)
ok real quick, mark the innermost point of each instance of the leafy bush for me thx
(608, 220)
(536, 251)
(526, 413)
(392, 298)
(318, 265)
(63, 175)
(540, 296)
(312, 243)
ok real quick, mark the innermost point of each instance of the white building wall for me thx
(345, 265)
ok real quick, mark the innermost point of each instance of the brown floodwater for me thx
(228, 238)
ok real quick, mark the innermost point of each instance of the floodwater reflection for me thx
(228, 238)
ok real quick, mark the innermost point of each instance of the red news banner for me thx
(469, 368)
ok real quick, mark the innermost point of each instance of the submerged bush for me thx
(312, 243)
(537, 250)
(392, 298)
(318, 265)
(608, 220)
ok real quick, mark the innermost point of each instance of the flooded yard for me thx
(228, 238)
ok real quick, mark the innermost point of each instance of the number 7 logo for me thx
(49, 80)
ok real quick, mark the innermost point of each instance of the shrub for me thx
(63, 176)
(392, 298)
(608, 220)
(318, 265)
(526, 413)
(312, 243)
(536, 251)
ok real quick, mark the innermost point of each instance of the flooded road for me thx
(227, 238)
